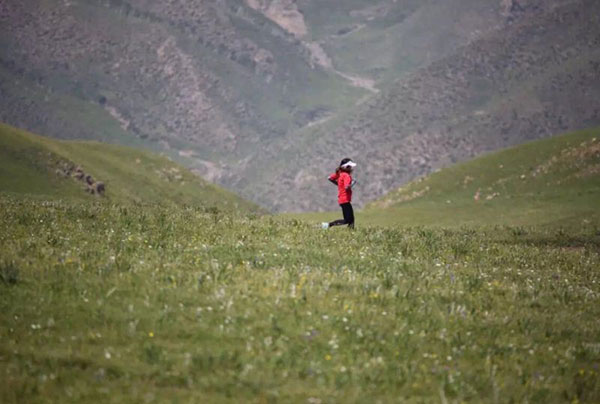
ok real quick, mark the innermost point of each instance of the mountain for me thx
(265, 96)
(85, 170)
(202, 79)
(546, 182)
(537, 76)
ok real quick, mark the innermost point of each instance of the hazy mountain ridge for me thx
(260, 96)
(537, 77)
(189, 72)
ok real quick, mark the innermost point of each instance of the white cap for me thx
(350, 164)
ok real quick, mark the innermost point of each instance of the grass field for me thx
(119, 303)
(117, 300)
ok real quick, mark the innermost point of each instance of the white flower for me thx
(268, 341)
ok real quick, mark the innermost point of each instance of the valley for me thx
(252, 88)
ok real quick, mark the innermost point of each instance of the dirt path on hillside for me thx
(357, 81)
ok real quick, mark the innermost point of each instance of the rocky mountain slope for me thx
(264, 96)
(211, 78)
(537, 76)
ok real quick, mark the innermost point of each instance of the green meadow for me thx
(118, 300)
(551, 183)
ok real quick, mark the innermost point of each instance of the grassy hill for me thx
(36, 165)
(553, 181)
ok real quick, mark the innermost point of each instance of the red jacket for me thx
(343, 180)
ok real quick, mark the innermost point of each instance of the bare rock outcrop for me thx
(67, 169)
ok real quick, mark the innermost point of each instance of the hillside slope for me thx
(208, 79)
(264, 96)
(553, 181)
(35, 165)
(538, 76)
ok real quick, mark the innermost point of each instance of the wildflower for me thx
(268, 341)
(151, 334)
(327, 357)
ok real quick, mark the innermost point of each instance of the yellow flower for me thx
(327, 357)
(151, 334)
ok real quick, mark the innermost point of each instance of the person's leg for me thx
(348, 219)
(340, 222)
(348, 214)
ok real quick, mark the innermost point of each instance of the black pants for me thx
(348, 216)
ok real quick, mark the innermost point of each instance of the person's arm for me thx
(333, 178)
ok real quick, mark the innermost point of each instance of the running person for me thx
(343, 179)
